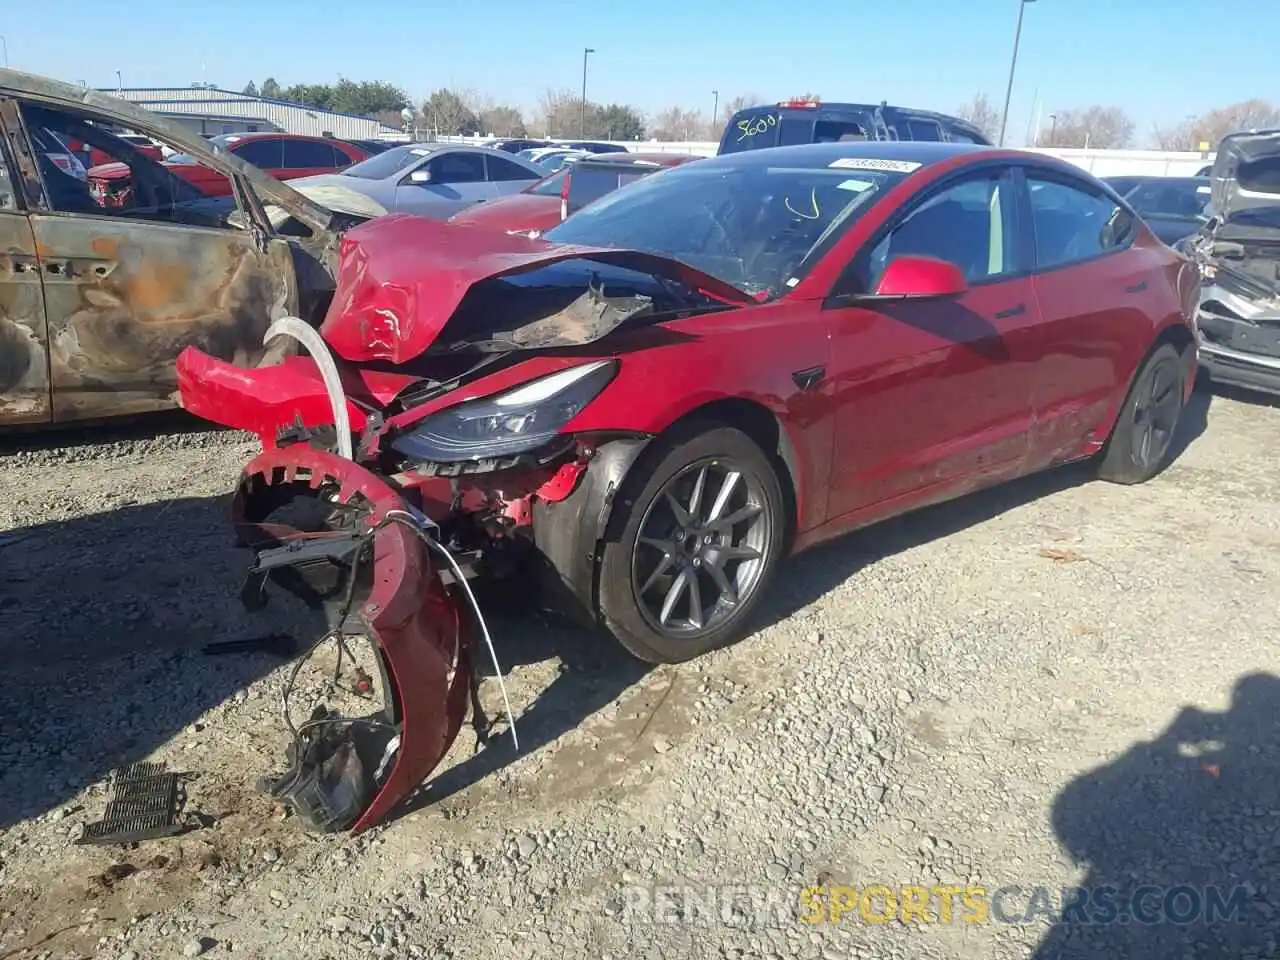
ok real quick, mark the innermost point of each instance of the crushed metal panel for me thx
(24, 335)
(124, 297)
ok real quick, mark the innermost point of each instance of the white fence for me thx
(1101, 163)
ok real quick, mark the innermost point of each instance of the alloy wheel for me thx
(1155, 413)
(701, 548)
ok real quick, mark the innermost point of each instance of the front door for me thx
(128, 287)
(24, 333)
(457, 181)
(934, 396)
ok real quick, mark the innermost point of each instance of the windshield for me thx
(388, 163)
(754, 225)
(549, 186)
(1181, 198)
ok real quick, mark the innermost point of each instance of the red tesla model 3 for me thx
(653, 404)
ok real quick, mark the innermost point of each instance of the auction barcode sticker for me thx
(869, 163)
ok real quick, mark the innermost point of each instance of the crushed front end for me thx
(424, 425)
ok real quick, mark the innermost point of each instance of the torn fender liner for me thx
(401, 278)
(408, 613)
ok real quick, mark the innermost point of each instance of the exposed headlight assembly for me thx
(517, 421)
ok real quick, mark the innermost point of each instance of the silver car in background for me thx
(430, 179)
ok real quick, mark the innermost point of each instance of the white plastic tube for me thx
(310, 338)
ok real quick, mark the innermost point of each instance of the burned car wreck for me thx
(104, 293)
(1238, 252)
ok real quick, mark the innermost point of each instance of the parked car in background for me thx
(544, 204)
(593, 146)
(434, 179)
(1238, 252)
(374, 147)
(105, 299)
(1173, 207)
(813, 121)
(285, 156)
(515, 144)
(552, 159)
(683, 383)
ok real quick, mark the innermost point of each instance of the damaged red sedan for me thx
(649, 407)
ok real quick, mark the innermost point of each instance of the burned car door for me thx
(129, 283)
(24, 335)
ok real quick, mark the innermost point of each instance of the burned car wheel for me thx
(1143, 435)
(699, 543)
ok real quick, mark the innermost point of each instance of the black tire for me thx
(1142, 438)
(714, 451)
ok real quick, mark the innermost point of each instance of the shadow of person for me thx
(1180, 839)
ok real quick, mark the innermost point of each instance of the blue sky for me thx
(1160, 60)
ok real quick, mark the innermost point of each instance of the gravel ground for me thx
(1053, 684)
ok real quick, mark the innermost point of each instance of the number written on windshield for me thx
(754, 126)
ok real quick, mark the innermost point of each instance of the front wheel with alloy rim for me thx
(702, 528)
(1143, 435)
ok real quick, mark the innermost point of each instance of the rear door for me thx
(127, 289)
(306, 158)
(24, 332)
(934, 395)
(505, 177)
(1095, 291)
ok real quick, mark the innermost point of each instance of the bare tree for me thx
(1210, 127)
(1107, 128)
(677, 123)
(559, 113)
(501, 120)
(980, 112)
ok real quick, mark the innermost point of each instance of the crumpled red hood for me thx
(401, 277)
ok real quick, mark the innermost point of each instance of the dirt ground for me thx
(1060, 683)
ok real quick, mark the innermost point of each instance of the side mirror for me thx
(420, 176)
(920, 278)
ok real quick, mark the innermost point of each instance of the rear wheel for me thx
(699, 542)
(1139, 445)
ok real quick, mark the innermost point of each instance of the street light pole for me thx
(119, 83)
(582, 119)
(1053, 127)
(715, 108)
(1013, 64)
(5, 44)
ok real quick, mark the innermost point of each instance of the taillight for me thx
(564, 196)
(800, 104)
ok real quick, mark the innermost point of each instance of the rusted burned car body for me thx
(96, 302)
(1238, 252)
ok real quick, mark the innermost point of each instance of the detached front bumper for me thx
(403, 607)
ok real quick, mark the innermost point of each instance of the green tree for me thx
(318, 95)
(250, 89)
(367, 97)
(270, 89)
(447, 114)
(615, 122)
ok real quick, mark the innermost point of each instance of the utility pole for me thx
(715, 109)
(582, 119)
(1013, 64)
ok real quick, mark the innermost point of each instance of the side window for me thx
(966, 224)
(8, 197)
(1072, 223)
(305, 154)
(500, 169)
(266, 153)
(457, 168)
(924, 130)
(960, 136)
(124, 181)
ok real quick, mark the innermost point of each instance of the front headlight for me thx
(517, 421)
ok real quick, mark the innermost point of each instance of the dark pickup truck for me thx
(813, 121)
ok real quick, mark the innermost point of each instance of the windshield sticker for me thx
(419, 152)
(754, 126)
(868, 163)
(857, 186)
(1202, 190)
